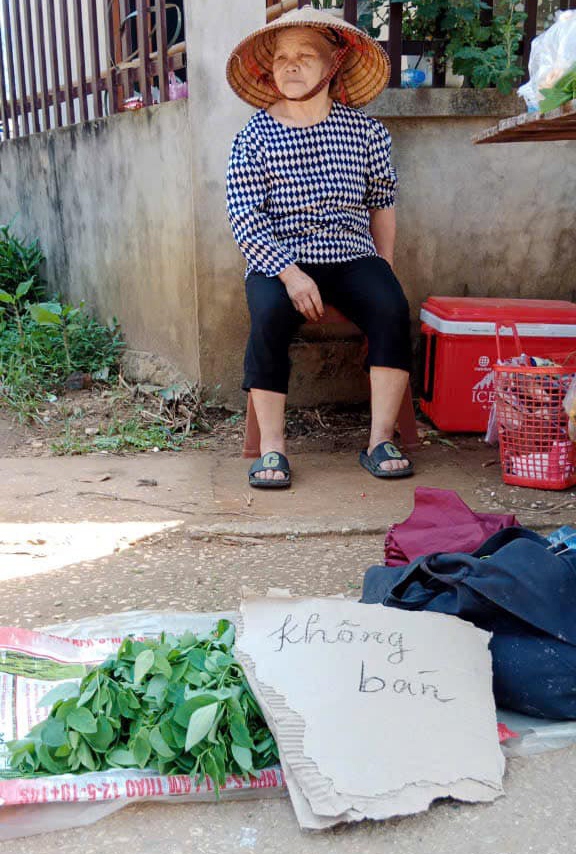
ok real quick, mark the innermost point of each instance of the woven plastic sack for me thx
(34, 805)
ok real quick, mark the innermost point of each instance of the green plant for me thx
(235, 418)
(87, 346)
(560, 93)
(177, 705)
(19, 390)
(19, 262)
(444, 26)
(54, 315)
(133, 434)
(25, 377)
(370, 11)
(327, 4)
(494, 61)
(70, 444)
(442, 22)
(13, 303)
(485, 53)
(43, 343)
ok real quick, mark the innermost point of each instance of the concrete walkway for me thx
(208, 491)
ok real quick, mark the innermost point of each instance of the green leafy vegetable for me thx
(61, 692)
(199, 725)
(54, 734)
(175, 705)
(143, 665)
(563, 91)
(82, 720)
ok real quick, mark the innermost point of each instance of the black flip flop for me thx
(381, 453)
(272, 461)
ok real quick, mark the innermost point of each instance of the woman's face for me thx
(302, 57)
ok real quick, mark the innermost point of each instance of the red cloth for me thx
(440, 522)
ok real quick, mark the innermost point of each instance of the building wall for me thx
(217, 115)
(130, 212)
(478, 220)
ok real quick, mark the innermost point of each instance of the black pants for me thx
(365, 290)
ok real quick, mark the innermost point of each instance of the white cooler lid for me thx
(476, 327)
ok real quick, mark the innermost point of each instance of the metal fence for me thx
(397, 46)
(64, 61)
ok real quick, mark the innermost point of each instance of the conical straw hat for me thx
(364, 73)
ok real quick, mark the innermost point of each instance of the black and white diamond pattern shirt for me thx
(303, 194)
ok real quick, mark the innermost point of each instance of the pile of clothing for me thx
(516, 584)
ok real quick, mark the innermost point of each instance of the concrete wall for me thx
(216, 116)
(483, 220)
(131, 213)
(478, 220)
(111, 202)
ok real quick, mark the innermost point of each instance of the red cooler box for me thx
(459, 348)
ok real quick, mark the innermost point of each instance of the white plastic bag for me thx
(569, 404)
(552, 53)
(535, 735)
(176, 88)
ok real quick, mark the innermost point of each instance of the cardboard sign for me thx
(376, 711)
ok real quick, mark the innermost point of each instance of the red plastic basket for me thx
(535, 448)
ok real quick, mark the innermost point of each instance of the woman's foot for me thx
(386, 460)
(271, 470)
(269, 407)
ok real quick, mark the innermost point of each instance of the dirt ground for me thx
(85, 414)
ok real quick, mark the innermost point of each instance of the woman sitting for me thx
(310, 200)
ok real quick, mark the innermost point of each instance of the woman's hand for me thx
(303, 291)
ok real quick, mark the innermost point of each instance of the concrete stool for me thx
(406, 419)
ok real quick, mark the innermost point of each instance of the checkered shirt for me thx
(304, 194)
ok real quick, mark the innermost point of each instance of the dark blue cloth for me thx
(365, 290)
(515, 587)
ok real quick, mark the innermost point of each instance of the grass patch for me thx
(54, 354)
(20, 262)
(132, 434)
(35, 364)
(43, 342)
